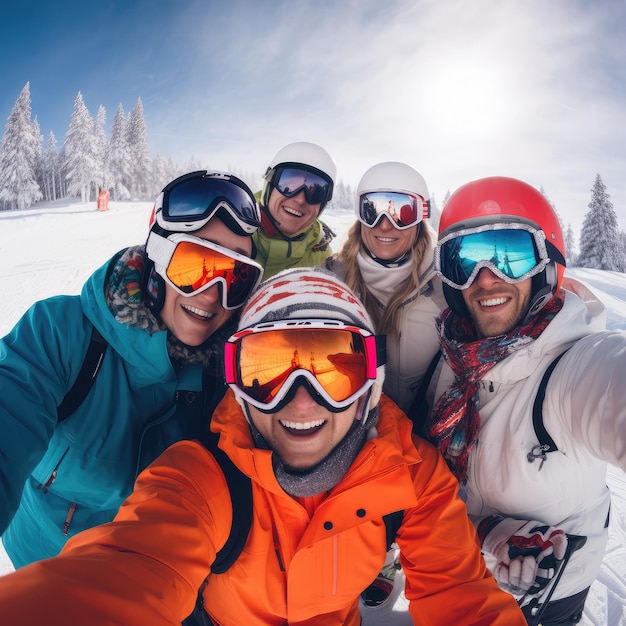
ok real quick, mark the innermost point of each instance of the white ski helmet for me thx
(304, 155)
(392, 176)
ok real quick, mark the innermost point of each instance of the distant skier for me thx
(103, 200)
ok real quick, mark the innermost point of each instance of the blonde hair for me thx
(385, 317)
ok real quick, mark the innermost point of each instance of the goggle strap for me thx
(425, 209)
(381, 350)
(159, 248)
(554, 253)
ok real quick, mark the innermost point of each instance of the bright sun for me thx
(470, 99)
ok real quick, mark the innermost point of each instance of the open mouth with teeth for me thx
(386, 239)
(302, 429)
(292, 211)
(197, 313)
(493, 302)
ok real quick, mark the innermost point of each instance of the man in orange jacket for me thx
(327, 457)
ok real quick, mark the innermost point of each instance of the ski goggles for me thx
(403, 209)
(290, 181)
(191, 265)
(190, 201)
(337, 361)
(513, 252)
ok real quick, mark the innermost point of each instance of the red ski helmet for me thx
(503, 200)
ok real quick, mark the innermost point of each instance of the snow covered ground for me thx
(52, 248)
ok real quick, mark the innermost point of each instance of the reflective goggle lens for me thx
(338, 362)
(291, 181)
(195, 199)
(194, 266)
(511, 253)
(404, 210)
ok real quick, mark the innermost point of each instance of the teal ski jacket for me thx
(59, 479)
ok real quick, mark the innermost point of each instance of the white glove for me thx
(528, 553)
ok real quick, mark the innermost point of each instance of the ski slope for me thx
(52, 248)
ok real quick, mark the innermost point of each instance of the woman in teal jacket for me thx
(164, 310)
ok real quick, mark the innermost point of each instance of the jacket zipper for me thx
(46, 486)
(335, 574)
(68, 518)
(281, 565)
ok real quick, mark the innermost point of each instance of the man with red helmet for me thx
(500, 255)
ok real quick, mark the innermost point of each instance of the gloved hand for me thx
(528, 553)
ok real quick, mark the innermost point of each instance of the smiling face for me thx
(292, 215)
(303, 433)
(494, 305)
(192, 320)
(387, 242)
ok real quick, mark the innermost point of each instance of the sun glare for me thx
(470, 99)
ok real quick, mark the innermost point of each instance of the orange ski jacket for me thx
(305, 562)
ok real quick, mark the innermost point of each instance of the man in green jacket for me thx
(298, 184)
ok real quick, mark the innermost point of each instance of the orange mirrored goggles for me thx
(336, 361)
(191, 265)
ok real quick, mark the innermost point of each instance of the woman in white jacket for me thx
(501, 257)
(387, 260)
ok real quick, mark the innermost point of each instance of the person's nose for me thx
(385, 224)
(302, 400)
(211, 295)
(487, 278)
(300, 198)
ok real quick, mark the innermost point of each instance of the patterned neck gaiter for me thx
(455, 419)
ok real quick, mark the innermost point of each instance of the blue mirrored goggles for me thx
(401, 208)
(513, 252)
(190, 201)
(290, 181)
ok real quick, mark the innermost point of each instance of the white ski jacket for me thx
(585, 414)
(411, 351)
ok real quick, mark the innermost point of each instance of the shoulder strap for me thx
(86, 376)
(393, 521)
(240, 487)
(545, 441)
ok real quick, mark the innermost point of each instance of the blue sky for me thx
(457, 89)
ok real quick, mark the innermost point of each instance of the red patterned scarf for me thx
(455, 419)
